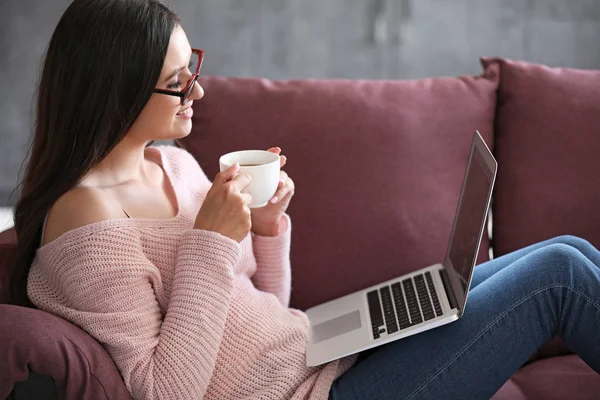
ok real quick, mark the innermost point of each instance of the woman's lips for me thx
(186, 114)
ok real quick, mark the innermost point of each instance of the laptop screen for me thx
(472, 211)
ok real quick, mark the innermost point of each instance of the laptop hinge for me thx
(448, 287)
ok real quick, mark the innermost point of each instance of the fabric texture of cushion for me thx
(35, 340)
(7, 253)
(547, 146)
(556, 378)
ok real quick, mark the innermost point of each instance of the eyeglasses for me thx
(185, 93)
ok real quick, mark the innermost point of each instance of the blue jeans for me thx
(517, 302)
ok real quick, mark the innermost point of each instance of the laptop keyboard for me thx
(403, 304)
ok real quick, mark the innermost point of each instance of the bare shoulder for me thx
(79, 207)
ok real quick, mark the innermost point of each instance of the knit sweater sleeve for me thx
(104, 283)
(273, 273)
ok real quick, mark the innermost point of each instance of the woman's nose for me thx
(198, 91)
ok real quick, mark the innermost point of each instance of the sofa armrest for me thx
(35, 340)
(8, 249)
(8, 236)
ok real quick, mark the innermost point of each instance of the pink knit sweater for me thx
(184, 313)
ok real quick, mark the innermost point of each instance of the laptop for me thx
(418, 301)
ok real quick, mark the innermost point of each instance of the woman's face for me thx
(163, 117)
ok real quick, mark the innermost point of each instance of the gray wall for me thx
(280, 39)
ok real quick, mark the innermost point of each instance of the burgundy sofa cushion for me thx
(36, 340)
(7, 252)
(556, 378)
(377, 165)
(8, 236)
(548, 147)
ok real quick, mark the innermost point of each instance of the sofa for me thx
(378, 166)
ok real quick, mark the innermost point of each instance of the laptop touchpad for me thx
(337, 326)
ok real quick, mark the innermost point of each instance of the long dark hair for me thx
(100, 68)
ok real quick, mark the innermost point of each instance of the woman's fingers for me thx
(227, 175)
(246, 198)
(286, 186)
(282, 159)
(283, 176)
(240, 182)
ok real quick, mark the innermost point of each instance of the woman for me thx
(186, 288)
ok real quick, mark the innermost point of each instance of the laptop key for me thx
(402, 313)
(411, 298)
(375, 312)
(424, 300)
(434, 296)
(388, 310)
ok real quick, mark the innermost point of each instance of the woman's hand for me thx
(266, 220)
(225, 209)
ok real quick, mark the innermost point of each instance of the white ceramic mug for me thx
(264, 169)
